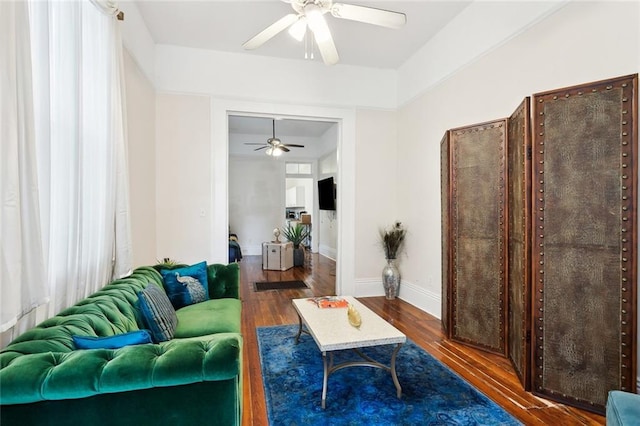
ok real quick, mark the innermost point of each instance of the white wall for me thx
(256, 202)
(376, 196)
(183, 177)
(258, 78)
(572, 46)
(141, 121)
(137, 39)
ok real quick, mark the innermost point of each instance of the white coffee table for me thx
(331, 331)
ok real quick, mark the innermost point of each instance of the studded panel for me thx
(478, 235)
(584, 241)
(519, 196)
(445, 215)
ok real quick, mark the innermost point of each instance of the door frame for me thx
(345, 117)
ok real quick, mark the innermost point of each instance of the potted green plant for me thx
(166, 263)
(297, 234)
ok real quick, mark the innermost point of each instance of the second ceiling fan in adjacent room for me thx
(274, 146)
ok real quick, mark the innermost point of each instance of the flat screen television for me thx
(326, 194)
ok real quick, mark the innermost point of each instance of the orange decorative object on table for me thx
(330, 302)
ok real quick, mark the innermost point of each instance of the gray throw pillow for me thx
(158, 313)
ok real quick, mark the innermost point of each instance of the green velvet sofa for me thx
(194, 378)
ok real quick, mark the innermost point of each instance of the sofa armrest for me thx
(224, 281)
(623, 408)
(84, 373)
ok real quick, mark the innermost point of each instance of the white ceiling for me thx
(225, 25)
(263, 126)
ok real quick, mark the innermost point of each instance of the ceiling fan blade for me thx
(293, 145)
(262, 147)
(284, 148)
(271, 31)
(328, 50)
(369, 15)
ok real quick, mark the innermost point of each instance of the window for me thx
(298, 168)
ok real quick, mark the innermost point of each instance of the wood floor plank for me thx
(489, 373)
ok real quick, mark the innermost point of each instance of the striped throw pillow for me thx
(157, 312)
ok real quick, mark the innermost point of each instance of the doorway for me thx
(221, 109)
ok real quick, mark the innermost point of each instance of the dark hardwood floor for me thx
(491, 374)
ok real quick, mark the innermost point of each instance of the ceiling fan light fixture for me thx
(273, 151)
(298, 29)
(317, 23)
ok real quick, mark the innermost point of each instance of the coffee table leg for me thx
(299, 329)
(324, 379)
(329, 368)
(393, 371)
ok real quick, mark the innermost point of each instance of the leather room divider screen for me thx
(519, 244)
(445, 205)
(584, 241)
(540, 240)
(475, 288)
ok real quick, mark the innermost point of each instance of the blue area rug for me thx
(432, 394)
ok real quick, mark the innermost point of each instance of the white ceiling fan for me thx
(274, 146)
(310, 13)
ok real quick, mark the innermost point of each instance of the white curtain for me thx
(123, 247)
(78, 93)
(22, 271)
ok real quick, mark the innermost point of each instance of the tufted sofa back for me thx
(111, 310)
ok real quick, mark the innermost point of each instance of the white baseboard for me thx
(419, 297)
(327, 251)
(368, 288)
